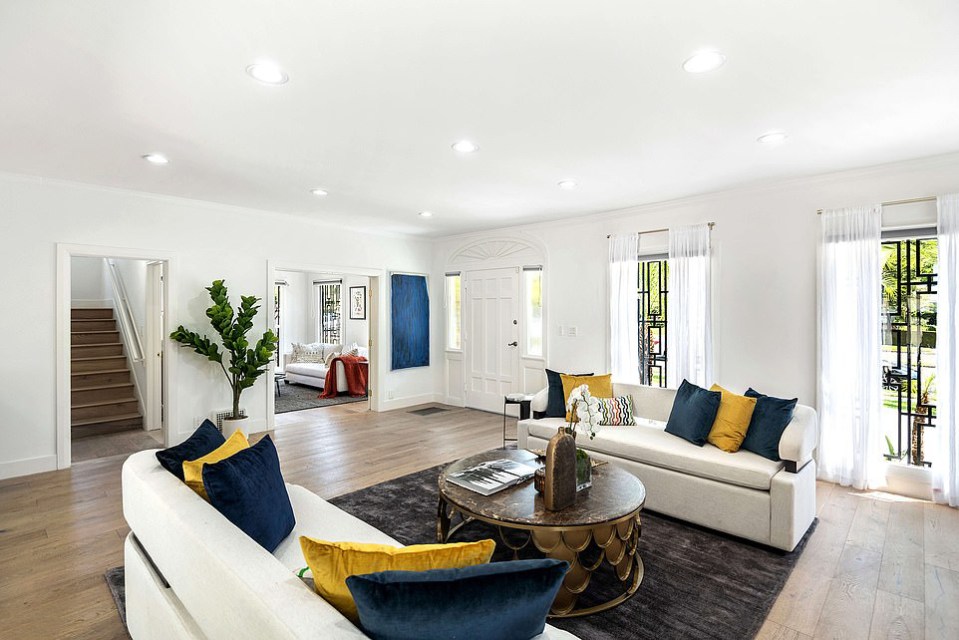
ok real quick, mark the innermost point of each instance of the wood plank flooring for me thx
(878, 566)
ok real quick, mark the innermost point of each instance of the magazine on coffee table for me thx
(490, 477)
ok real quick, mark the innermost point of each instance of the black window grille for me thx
(909, 279)
(652, 294)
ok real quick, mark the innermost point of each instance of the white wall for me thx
(296, 309)
(133, 274)
(87, 282)
(209, 241)
(764, 266)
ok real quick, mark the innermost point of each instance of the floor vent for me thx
(428, 411)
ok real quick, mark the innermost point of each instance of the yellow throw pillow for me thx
(333, 562)
(732, 420)
(193, 469)
(599, 386)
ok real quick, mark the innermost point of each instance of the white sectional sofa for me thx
(191, 574)
(740, 493)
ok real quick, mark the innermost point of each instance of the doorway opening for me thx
(112, 312)
(324, 320)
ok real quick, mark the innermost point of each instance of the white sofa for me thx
(313, 374)
(740, 493)
(191, 574)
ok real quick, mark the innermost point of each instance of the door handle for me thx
(514, 343)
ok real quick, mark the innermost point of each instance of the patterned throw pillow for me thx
(352, 350)
(616, 412)
(309, 353)
(330, 356)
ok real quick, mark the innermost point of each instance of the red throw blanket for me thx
(356, 369)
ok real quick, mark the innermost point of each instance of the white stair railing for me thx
(127, 322)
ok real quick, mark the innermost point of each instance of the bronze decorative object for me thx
(560, 488)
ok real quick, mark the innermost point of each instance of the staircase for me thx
(103, 399)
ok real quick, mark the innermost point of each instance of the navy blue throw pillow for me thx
(770, 418)
(248, 489)
(204, 440)
(556, 399)
(497, 601)
(694, 411)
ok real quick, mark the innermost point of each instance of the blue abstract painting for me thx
(410, 321)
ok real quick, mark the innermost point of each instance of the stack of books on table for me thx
(487, 478)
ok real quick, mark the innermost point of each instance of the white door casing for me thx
(153, 353)
(491, 336)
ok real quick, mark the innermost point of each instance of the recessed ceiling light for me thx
(267, 73)
(156, 158)
(704, 61)
(426, 214)
(465, 146)
(567, 184)
(319, 192)
(773, 137)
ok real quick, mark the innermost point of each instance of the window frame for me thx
(448, 303)
(663, 258)
(525, 302)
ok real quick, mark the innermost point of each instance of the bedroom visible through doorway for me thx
(322, 319)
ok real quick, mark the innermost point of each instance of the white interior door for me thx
(491, 338)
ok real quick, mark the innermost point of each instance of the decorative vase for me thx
(560, 482)
(231, 426)
(584, 470)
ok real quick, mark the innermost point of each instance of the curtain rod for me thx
(893, 203)
(609, 235)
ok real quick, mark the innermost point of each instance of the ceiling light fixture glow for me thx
(773, 137)
(567, 184)
(426, 214)
(704, 62)
(267, 73)
(156, 158)
(319, 192)
(465, 146)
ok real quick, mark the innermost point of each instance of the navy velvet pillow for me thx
(694, 411)
(556, 399)
(770, 418)
(248, 489)
(496, 601)
(204, 440)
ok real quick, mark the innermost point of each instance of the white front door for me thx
(491, 338)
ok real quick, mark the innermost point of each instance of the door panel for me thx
(492, 360)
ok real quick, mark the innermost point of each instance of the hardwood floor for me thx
(105, 445)
(878, 566)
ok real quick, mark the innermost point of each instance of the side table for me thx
(524, 412)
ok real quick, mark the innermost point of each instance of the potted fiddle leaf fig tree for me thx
(245, 363)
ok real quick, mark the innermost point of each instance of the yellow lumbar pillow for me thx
(599, 387)
(193, 469)
(732, 420)
(333, 562)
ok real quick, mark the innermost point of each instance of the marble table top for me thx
(615, 494)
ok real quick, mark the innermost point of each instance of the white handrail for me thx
(127, 322)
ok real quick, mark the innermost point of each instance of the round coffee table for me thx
(604, 516)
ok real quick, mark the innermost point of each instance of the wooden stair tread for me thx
(83, 422)
(115, 385)
(99, 371)
(97, 358)
(100, 344)
(102, 403)
(86, 331)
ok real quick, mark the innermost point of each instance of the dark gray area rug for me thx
(297, 397)
(698, 584)
(114, 578)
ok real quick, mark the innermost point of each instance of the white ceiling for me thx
(549, 89)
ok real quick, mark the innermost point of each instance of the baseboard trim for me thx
(27, 467)
(410, 401)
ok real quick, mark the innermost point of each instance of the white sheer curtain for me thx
(623, 312)
(945, 450)
(850, 436)
(689, 339)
